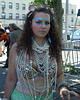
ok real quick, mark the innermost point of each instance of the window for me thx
(17, 5)
(10, 5)
(10, 15)
(23, 16)
(23, 7)
(17, 16)
(3, 4)
(72, 19)
(72, 11)
(3, 15)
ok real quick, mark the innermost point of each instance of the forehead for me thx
(42, 15)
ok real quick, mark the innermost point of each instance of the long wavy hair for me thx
(25, 42)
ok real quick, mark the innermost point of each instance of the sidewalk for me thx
(3, 74)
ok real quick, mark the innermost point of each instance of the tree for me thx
(57, 7)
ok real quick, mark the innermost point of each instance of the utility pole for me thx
(66, 36)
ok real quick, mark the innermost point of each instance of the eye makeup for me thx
(39, 18)
(47, 19)
(39, 21)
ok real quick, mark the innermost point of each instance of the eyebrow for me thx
(38, 18)
(47, 19)
(41, 18)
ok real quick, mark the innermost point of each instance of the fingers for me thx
(73, 93)
(69, 94)
(62, 97)
(65, 92)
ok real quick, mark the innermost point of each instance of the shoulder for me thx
(14, 48)
(18, 31)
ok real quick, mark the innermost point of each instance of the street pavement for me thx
(3, 73)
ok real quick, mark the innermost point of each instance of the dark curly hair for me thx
(26, 41)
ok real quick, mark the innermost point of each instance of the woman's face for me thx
(41, 24)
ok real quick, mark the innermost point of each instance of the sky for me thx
(76, 2)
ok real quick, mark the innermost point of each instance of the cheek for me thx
(48, 28)
(34, 26)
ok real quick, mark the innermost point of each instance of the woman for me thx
(35, 61)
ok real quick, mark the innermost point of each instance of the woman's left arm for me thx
(62, 85)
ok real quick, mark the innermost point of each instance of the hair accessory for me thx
(49, 39)
(30, 14)
(32, 8)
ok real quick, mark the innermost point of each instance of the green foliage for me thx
(72, 69)
(38, 2)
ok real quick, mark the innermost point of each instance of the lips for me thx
(42, 31)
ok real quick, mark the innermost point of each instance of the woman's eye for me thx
(38, 22)
(47, 23)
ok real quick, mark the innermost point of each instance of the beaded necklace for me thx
(38, 48)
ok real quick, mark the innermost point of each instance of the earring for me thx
(32, 38)
(49, 39)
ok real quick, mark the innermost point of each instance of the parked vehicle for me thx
(70, 32)
(76, 35)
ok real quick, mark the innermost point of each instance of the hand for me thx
(65, 92)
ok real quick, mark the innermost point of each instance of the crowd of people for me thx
(34, 69)
(8, 36)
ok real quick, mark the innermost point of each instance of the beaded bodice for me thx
(28, 71)
(27, 68)
(35, 75)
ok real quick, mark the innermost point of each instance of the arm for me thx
(2, 37)
(12, 76)
(63, 87)
(60, 75)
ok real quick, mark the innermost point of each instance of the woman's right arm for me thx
(12, 75)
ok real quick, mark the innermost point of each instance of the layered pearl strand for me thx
(41, 62)
(40, 49)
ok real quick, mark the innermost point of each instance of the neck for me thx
(40, 42)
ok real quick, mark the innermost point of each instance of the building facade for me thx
(72, 15)
(12, 11)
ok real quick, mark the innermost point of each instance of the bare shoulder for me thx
(14, 48)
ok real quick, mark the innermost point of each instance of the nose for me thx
(43, 25)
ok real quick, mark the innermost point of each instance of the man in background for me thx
(15, 33)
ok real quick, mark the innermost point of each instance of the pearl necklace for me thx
(38, 48)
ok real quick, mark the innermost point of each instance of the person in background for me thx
(5, 37)
(15, 33)
(35, 61)
(13, 36)
(1, 33)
